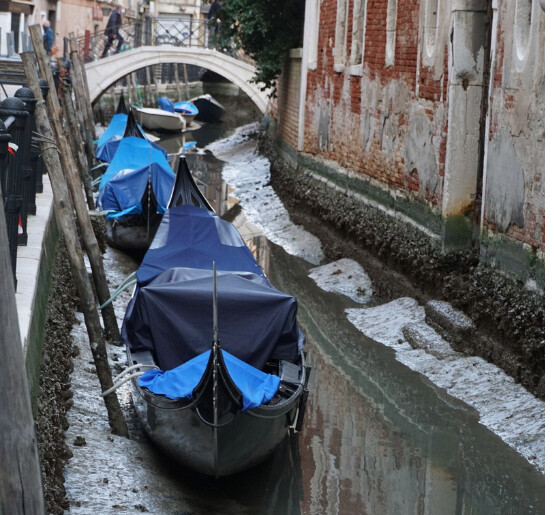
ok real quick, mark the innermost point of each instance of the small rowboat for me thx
(159, 119)
(217, 347)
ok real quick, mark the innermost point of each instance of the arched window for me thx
(391, 32)
(522, 29)
(431, 25)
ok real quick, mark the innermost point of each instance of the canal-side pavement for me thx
(33, 273)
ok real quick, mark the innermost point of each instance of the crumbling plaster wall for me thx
(387, 123)
(513, 210)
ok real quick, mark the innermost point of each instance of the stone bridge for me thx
(103, 73)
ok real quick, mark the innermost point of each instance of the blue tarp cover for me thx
(133, 153)
(171, 311)
(116, 127)
(186, 108)
(194, 237)
(256, 386)
(107, 151)
(124, 192)
(166, 104)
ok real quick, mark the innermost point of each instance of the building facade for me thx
(434, 110)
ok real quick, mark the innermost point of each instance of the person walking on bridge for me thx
(48, 37)
(112, 29)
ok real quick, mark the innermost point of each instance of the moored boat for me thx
(134, 190)
(159, 120)
(209, 109)
(187, 110)
(220, 350)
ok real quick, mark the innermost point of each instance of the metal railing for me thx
(181, 32)
(20, 166)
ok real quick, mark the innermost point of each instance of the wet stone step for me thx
(452, 324)
(422, 336)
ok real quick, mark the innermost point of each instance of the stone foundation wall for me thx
(404, 259)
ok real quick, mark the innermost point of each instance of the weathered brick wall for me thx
(284, 108)
(514, 201)
(404, 127)
(373, 122)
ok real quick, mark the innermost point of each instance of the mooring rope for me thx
(120, 380)
(129, 281)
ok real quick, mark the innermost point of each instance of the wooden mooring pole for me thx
(75, 187)
(20, 480)
(72, 133)
(66, 222)
(82, 95)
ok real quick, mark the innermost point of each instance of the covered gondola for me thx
(222, 354)
(134, 192)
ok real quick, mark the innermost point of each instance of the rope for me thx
(120, 381)
(129, 281)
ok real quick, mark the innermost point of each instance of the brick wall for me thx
(285, 107)
(391, 124)
(360, 121)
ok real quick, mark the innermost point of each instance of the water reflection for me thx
(380, 438)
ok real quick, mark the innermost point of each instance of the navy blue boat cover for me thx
(171, 311)
(257, 387)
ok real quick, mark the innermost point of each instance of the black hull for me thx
(131, 235)
(209, 109)
(242, 440)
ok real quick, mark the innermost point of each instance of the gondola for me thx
(159, 119)
(209, 109)
(218, 351)
(135, 188)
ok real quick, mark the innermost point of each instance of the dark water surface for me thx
(378, 438)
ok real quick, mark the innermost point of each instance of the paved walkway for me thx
(28, 258)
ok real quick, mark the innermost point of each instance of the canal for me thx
(378, 437)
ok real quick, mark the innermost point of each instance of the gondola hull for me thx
(239, 445)
(214, 412)
(131, 236)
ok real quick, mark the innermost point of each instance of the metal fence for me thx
(20, 165)
(177, 32)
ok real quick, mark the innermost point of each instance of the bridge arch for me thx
(103, 73)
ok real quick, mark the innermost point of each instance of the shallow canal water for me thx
(378, 437)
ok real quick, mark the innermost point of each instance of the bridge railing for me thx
(182, 32)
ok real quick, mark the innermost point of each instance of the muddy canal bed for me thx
(388, 428)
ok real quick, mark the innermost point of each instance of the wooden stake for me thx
(186, 77)
(66, 223)
(20, 477)
(149, 86)
(72, 132)
(83, 83)
(76, 189)
(80, 89)
(177, 81)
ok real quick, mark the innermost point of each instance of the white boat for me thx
(159, 120)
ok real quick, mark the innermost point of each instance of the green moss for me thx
(33, 351)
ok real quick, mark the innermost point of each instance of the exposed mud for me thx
(54, 397)
(509, 318)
